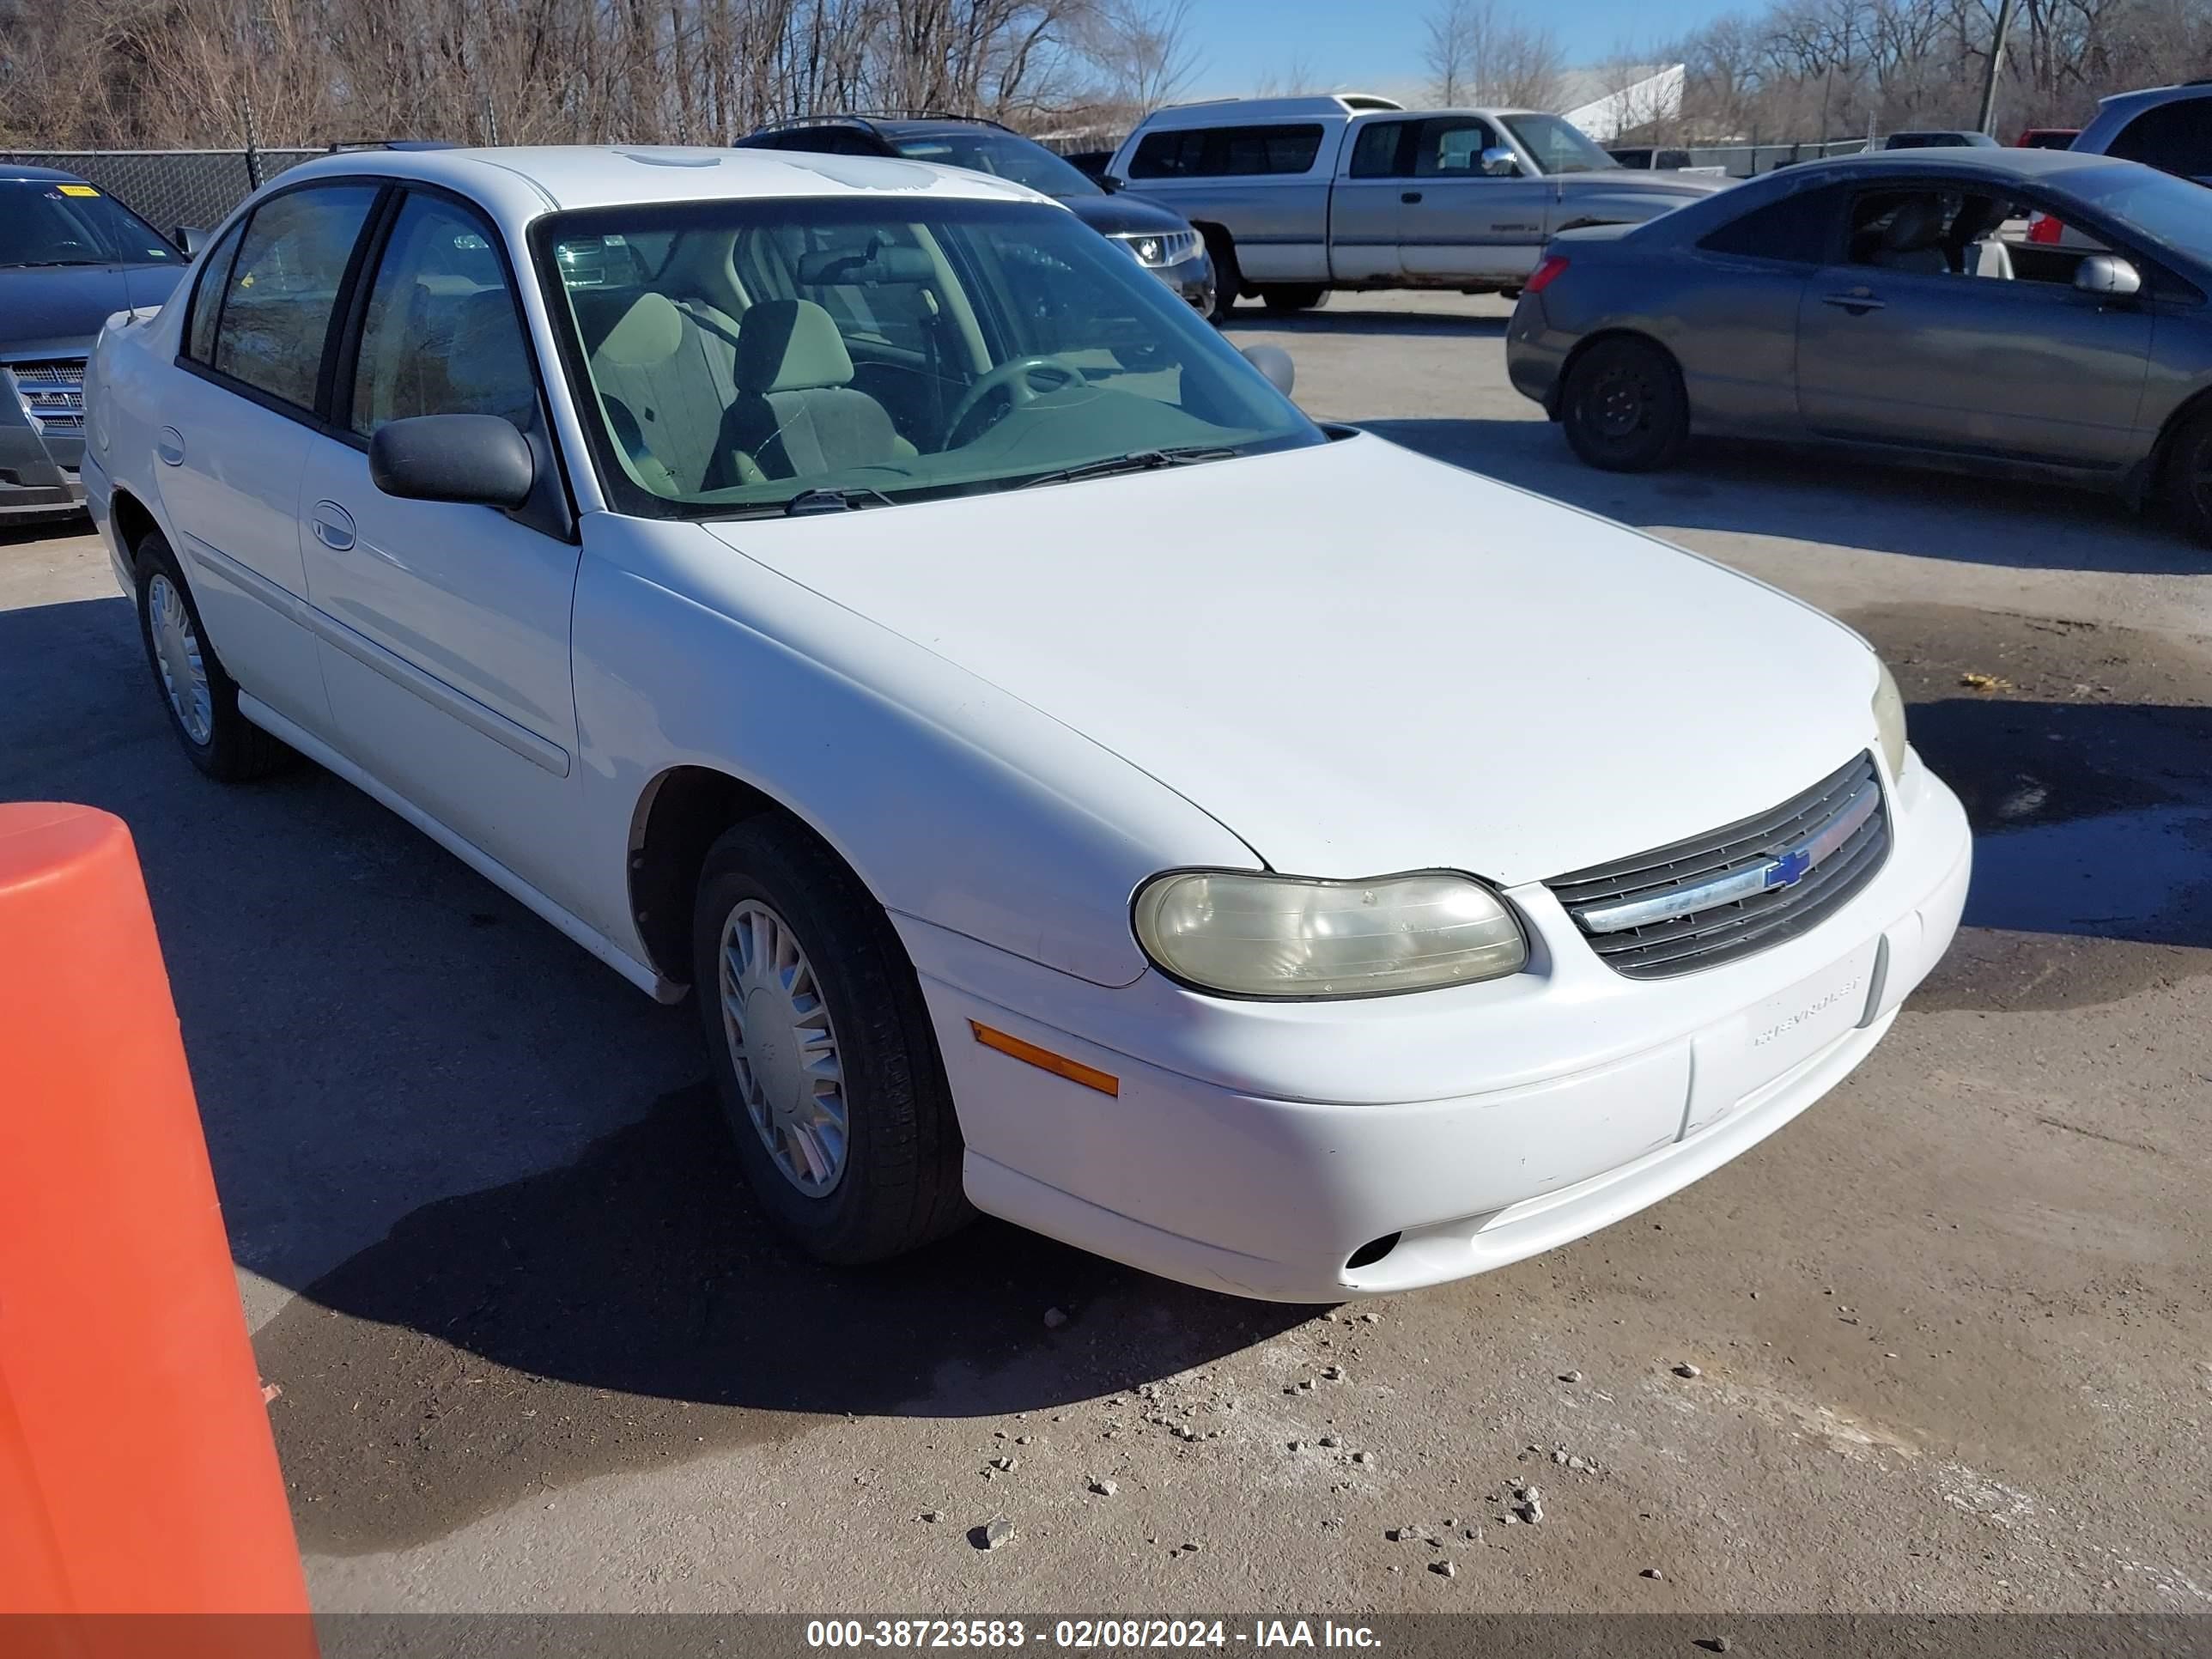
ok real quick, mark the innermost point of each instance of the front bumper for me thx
(1254, 1147)
(1193, 279)
(37, 468)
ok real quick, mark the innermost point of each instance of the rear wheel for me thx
(1293, 296)
(1624, 407)
(1228, 280)
(821, 1049)
(2188, 479)
(200, 698)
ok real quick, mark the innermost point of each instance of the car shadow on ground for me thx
(1772, 490)
(1343, 315)
(490, 1167)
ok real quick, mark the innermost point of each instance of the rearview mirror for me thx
(477, 459)
(2103, 274)
(191, 238)
(1275, 363)
(1500, 162)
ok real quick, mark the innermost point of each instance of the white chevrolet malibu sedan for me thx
(1077, 786)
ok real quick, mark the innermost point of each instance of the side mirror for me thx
(2108, 277)
(478, 459)
(191, 238)
(1500, 162)
(1275, 363)
(1110, 183)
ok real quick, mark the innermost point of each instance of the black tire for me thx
(1624, 407)
(2187, 481)
(232, 749)
(899, 1186)
(1228, 279)
(1280, 297)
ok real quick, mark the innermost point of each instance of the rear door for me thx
(1365, 204)
(445, 627)
(1456, 221)
(1970, 365)
(241, 413)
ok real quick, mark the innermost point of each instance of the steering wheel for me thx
(1012, 378)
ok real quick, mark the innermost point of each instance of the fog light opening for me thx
(1372, 1251)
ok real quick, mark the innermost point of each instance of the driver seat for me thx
(797, 414)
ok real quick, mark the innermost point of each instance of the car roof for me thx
(522, 183)
(1994, 161)
(2123, 102)
(22, 171)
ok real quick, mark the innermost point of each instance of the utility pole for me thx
(1997, 62)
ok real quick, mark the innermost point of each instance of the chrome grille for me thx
(52, 392)
(1156, 248)
(1715, 897)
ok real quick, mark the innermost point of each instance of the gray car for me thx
(70, 255)
(1892, 304)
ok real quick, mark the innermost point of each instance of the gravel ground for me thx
(1941, 1345)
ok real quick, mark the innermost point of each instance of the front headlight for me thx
(1290, 936)
(1889, 718)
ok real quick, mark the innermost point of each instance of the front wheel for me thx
(821, 1049)
(1228, 280)
(1284, 297)
(2188, 477)
(1624, 407)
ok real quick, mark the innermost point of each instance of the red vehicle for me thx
(2047, 139)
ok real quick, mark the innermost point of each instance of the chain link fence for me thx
(1742, 160)
(171, 187)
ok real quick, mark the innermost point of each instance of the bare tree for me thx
(1143, 51)
(1475, 52)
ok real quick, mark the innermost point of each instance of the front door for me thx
(1456, 221)
(1897, 344)
(239, 404)
(445, 627)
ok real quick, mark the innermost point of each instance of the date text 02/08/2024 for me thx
(1085, 1635)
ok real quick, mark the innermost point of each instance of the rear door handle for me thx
(169, 445)
(1409, 197)
(1858, 301)
(332, 525)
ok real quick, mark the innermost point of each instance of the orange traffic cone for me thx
(137, 1475)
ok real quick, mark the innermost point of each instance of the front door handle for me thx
(169, 445)
(1409, 197)
(1858, 301)
(332, 525)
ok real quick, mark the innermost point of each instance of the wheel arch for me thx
(1583, 347)
(133, 520)
(2149, 478)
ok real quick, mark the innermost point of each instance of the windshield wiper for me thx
(47, 264)
(1137, 460)
(834, 501)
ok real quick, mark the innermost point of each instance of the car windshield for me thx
(1006, 154)
(742, 357)
(60, 221)
(2164, 209)
(1559, 145)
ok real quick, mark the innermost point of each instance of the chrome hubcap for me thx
(177, 657)
(783, 1048)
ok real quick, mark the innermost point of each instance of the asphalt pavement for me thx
(1950, 1330)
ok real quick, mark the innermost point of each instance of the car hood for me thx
(1121, 215)
(1361, 661)
(1636, 181)
(62, 307)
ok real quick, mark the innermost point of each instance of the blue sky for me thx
(1377, 44)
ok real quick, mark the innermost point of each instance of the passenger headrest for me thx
(1917, 223)
(645, 333)
(790, 345)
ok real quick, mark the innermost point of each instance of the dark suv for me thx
(71, 256)
(1160, 240)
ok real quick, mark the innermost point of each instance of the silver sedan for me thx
(1896, 303)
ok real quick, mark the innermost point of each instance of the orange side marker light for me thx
(1044, 1060)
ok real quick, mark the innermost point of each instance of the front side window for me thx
(1451, 146)
(63, 222)
(1559, 145)
(280, 292)
(881, 352)
(441, 335)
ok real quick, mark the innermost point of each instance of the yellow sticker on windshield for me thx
(78, 190)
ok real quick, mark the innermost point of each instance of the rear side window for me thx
(1227, 152)
(207, 298)
(2175, 137)
(1376, 155)
(441, 335)
(1798, 229)
(279, 293)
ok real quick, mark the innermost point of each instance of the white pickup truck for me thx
(1297, 195)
